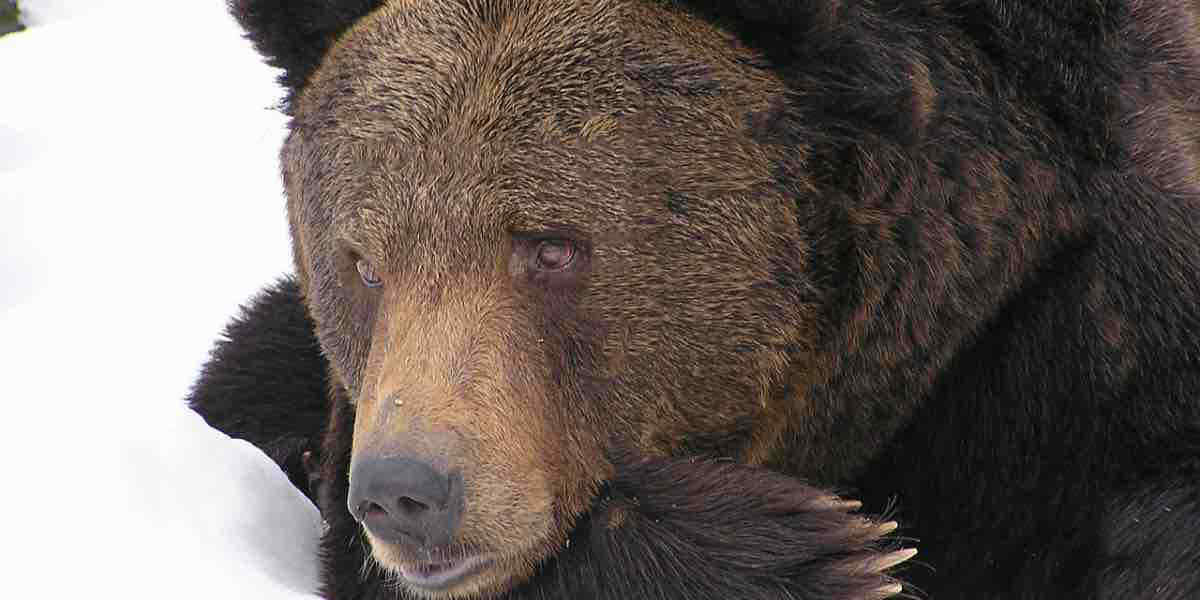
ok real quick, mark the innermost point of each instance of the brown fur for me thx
(422, 152)
(940, 251)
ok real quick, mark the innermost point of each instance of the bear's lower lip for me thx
(433, 576)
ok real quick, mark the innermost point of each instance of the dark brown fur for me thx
(940, 252)
(658, 529)
(426, 152)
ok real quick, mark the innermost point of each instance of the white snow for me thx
(141, 204)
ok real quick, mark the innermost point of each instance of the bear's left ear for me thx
(294, 35)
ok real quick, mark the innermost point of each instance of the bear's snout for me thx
(406, 501)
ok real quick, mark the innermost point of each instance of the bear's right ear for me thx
(294, 35)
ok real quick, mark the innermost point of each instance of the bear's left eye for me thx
(554, 255)
(367, 272)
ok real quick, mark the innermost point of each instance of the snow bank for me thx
(138, 177)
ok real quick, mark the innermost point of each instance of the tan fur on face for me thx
(442, 386)
(433, 136)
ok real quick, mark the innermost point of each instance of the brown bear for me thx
(943, 255)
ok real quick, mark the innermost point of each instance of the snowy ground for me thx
(141, 205)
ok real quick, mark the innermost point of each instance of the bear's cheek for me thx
(660, 406)
(697, 335)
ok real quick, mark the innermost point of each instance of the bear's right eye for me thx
(554, 255)
(366, 271)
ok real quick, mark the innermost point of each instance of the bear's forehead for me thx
(416, 73)
(534, 113)
(519, 71)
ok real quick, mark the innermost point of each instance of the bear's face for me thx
(531, 233)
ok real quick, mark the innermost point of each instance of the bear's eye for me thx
(367, 272)
(554, 255)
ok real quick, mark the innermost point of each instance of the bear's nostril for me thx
(410, 506)
(365, 510)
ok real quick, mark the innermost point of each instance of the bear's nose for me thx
(403, 500)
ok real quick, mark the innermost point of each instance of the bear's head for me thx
(531, 233)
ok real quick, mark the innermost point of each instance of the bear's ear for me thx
(293, 35)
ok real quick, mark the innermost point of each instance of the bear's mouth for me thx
(442, 575)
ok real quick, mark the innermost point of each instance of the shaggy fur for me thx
(660, 529)
(942, 254)
(265, 381)
(662, 526)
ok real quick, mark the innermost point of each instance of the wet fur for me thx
(995, 269)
